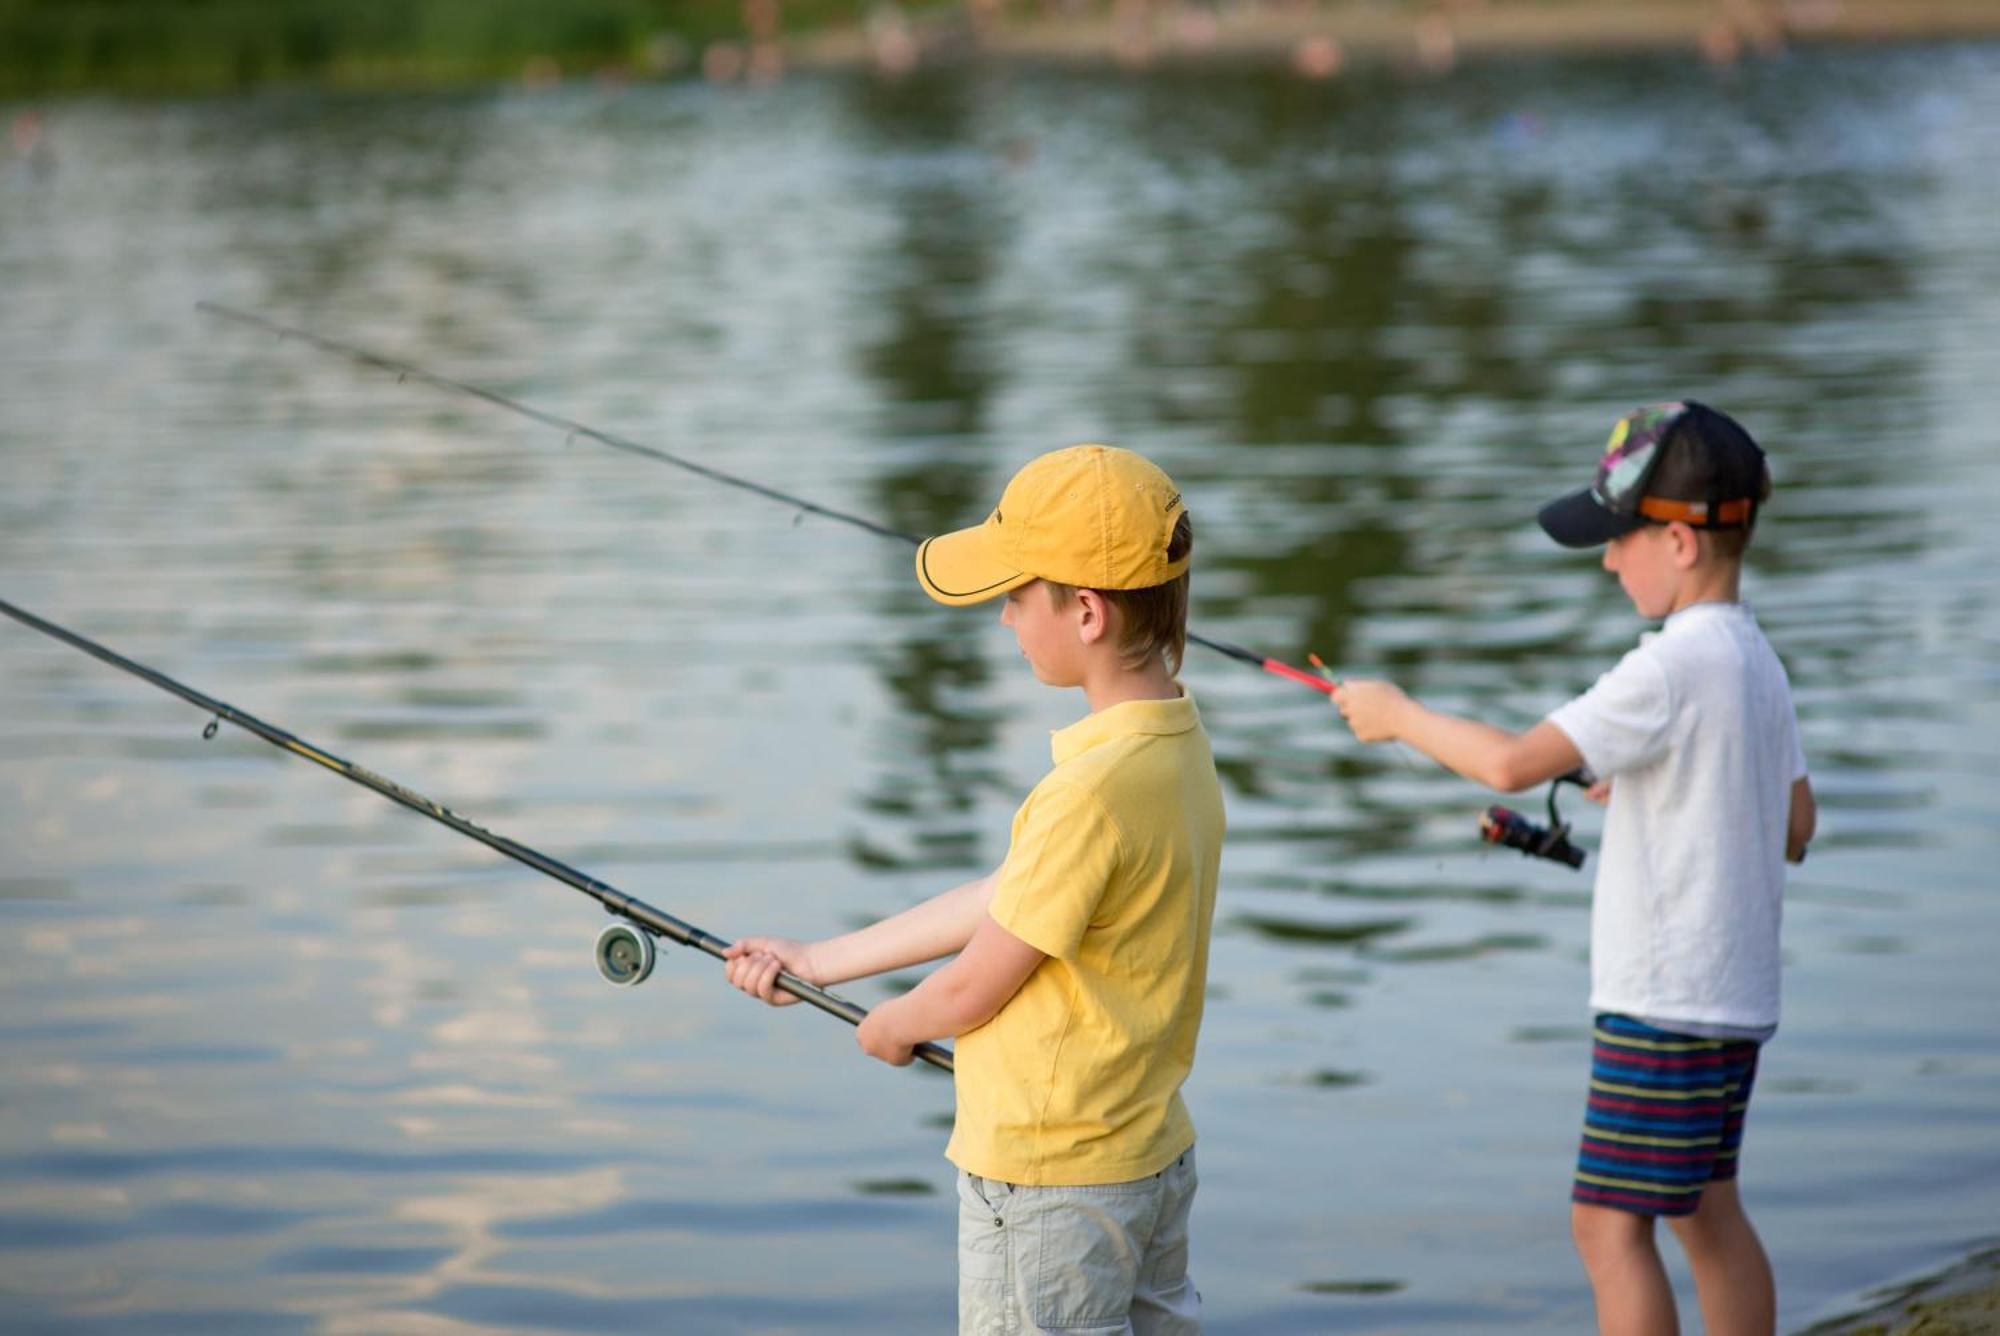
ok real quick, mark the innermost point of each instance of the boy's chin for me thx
(1650, 609)
(1048, 677)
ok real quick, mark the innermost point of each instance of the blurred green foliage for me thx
(155, 46)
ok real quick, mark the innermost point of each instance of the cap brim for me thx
(960, 568)
(1577, 520)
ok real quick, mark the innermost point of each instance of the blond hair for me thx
(1152, 620)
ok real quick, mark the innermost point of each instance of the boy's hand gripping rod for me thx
(410, 370)
(649, 921)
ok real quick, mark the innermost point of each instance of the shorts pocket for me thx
(1169, 1263)
(982, 1232)
(1086, 1253)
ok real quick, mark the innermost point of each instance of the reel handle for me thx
(1503, 825)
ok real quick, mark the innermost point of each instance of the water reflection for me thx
(921, 150)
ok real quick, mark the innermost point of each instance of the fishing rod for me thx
(572, 429)
(625, 951)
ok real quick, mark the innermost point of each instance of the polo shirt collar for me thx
(1124, 719)
(1696, 612)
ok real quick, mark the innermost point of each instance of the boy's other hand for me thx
(1371, 708)
(1599, 792)
(753, 964)
(877, 1038)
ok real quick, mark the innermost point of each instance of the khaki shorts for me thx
(1090, 1261)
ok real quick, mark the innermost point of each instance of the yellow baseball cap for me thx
(1093, 516)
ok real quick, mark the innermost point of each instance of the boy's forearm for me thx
(938, 1008)
(965, 994)
(937, 927)
(1480, 752)
(1802, 821)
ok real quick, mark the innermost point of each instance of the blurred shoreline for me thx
(1319, 40)
(159, 49)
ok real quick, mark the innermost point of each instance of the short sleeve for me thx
(1798, 752)
(1621, 723)
(1063, 855)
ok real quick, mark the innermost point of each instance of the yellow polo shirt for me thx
(1111, 873)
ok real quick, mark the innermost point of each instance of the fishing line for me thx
(572, 430)
(624, 950)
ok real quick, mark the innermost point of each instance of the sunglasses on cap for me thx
(1701, 442)
(1633, 456)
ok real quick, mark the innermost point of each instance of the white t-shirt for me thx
(1696, 730)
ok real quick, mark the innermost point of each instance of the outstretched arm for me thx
(937, 927)
(1509, 762)
(962, 996)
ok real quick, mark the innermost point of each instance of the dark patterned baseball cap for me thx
(1680, 461)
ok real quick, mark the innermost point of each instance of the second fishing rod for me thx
(1498, 825)
(405, 370)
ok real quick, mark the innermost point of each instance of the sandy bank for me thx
(1961, 1301)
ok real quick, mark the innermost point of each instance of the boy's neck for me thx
(1114, 684)
(1714, 582)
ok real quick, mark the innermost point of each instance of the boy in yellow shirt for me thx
(1076, 993)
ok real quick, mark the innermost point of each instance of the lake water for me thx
(281, 1056)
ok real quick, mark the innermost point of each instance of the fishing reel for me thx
(1502, 825)
(625, 954)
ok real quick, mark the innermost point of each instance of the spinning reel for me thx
(1502, 825)
(625, 954)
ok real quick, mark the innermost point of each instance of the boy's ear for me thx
(1093, 617)
(1686, 544)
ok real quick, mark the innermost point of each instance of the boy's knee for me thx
(1718, 1216)
(1604, 1231)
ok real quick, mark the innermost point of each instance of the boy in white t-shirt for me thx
(1694, 737)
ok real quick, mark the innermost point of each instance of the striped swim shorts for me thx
(1665, 1117)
